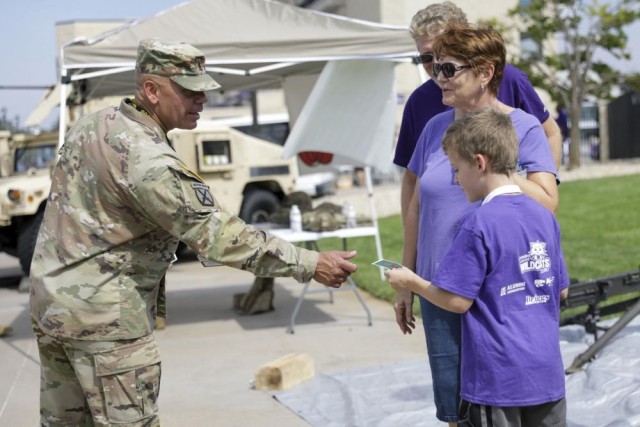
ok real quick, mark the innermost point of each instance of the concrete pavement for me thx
(210, 354)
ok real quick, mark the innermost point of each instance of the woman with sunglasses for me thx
(426, 100)
(468, 67)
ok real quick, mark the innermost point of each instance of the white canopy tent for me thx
(251, 44)
(247, 44)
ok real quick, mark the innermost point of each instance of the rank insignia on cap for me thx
(203, 194)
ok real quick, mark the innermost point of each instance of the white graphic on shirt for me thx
(513, 288)
(542, 282)
(536, 299)
(536, 260)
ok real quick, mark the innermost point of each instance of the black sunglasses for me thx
(448, 69)
(425, 58)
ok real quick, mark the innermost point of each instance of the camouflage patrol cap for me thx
(181, 62)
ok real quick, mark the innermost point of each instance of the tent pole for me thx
(254, 110)
(64, 79)
(374, 215)
(62, 125)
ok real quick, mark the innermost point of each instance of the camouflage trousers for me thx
(98, 383)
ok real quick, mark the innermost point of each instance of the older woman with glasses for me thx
(469, 65)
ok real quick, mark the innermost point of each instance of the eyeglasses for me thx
(448, 69)
(425, 58)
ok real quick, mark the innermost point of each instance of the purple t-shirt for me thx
(507, 258)
(442, 201)
(426, 101)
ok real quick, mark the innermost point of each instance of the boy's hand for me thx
(400, 280)
(404, 312)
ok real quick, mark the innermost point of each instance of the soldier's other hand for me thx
(333, 269)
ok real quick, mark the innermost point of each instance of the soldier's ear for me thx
(152, 91)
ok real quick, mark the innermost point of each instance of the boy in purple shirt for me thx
(505, 273)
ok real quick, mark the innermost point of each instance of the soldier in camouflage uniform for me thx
(120, 201)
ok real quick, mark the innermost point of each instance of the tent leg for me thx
(374, 215)
(62, 125)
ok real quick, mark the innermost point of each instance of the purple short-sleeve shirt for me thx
(507, 258)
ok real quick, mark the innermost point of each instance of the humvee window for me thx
(34, 157)
(216, 152)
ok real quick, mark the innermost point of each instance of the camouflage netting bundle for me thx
(325, 217)
(281, 215)
(300, 198)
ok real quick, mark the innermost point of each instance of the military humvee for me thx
(247, 175)
(25, 180)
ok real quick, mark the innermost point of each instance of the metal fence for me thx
(589, 134)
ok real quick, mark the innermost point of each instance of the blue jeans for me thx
(443, 334)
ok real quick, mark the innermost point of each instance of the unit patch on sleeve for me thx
(203, 194)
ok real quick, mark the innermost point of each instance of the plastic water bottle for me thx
(351, 216)
(295, 219)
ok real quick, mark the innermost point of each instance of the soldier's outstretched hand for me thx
(333, 269)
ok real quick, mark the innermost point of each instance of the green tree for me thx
(581, 28)
(6, 123)
(632, 83)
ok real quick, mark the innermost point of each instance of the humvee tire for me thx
(258, 205)
(27, 241)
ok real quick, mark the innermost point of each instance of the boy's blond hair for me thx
(485, 131)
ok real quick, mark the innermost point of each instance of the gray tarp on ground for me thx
(606, 393)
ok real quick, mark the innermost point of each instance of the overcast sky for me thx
(27, 31)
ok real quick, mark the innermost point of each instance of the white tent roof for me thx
(247, 44)
(260, 43)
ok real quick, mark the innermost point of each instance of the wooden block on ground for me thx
(286, 372)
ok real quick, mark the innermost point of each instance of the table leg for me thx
(312, 245)
(362, 302)
(292, 319)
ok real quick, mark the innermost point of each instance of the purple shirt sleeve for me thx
(516, 91)
(534, 152)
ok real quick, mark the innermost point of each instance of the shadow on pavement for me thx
(215, 303)
(199, 304)
(10, 277)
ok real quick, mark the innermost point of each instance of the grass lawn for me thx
(599, 218)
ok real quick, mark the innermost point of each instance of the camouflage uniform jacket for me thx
(120, 201)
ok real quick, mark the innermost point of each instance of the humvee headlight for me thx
(14, 195)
